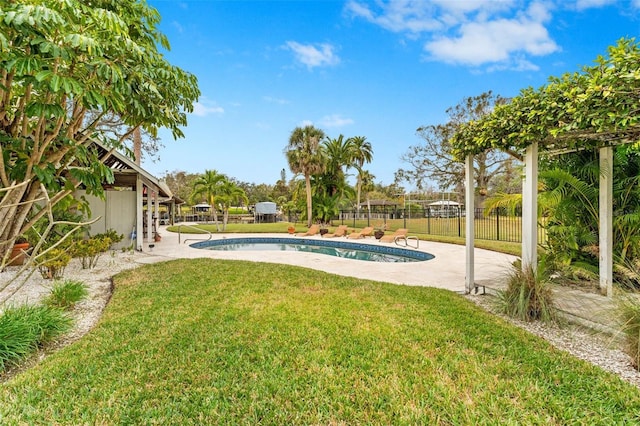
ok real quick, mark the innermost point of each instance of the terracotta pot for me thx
(17, 254)
(291, 229)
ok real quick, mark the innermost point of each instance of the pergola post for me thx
(606, 220)
(530, 208)
(469, 224)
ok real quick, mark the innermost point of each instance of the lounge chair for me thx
(365, 232)
(341, 231)
(400, 233)
(313, 230)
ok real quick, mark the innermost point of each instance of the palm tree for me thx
(207, 186)
(361, 152)
(366, 180)
(305, 156)
(229, 193)
(339, 155)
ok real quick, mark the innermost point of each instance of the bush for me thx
(89, 251)
(628, 307)
(528, 295)
(629, 310)
(66, 294)
(112, 235)
(51, 265)
(25, 328)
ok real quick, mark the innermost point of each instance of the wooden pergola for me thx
(595, 109)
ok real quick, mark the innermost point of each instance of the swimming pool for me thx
(368, 252)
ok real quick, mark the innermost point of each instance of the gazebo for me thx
(596, 109)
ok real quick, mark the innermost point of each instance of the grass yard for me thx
(225, 342)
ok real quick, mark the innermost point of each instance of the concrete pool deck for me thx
(446, 270)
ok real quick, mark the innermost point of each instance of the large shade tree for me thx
(434, 160)
(305, 156)
(60, 60)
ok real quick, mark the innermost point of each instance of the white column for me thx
(156, 211)
(469, 224)
(139, 210)
(149, 219)
(530, 208)
(606, 220)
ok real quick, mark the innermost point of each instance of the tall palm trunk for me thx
(307, 184)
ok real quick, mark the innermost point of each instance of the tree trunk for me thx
(307, 184)
(137, 145)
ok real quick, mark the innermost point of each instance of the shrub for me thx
(528, 295)
(52, 263)
(66, 294)
(629, 310)
(112, 235)
(628, 307)
(25, 328)
(89, 251)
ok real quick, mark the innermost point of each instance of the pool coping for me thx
(446, 270)
(415, 255)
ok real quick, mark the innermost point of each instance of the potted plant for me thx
(379, 232)
(291, 229)
(18, 252)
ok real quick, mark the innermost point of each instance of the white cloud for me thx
(495, 41)
(273, 100)
(317, 55)
(589, 4)
(335, 120)
(305, 123)
(204, 108)
(398, 16)
(468, 32)
(177, 26)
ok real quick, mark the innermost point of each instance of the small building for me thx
(131, 203)
(265, 212)
(444, 208)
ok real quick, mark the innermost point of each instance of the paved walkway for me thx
(446, 270)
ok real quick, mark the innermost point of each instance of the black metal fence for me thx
(488, 225)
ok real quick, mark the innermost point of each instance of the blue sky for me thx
(378, 69)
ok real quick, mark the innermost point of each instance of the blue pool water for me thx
(369, 252)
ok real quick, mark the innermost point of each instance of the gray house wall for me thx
(117, 211)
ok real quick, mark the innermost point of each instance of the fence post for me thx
(429, 221)
(497, 224)
(404, 215)
(459, 222)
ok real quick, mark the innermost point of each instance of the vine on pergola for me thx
(595, 107)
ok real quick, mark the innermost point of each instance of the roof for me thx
(378, 203)
(444, 203)
(125, 170)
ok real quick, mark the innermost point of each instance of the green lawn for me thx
(225, 342)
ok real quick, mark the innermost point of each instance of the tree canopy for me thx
(594, 107)
(61, 60)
